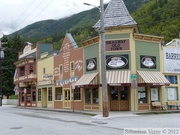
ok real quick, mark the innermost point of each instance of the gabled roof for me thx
(116, 14)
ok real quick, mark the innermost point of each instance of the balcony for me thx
(26, 78)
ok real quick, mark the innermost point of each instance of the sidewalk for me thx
(98, 114)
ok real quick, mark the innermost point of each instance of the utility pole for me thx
(1, 58)
(103, 60)
(103, 64)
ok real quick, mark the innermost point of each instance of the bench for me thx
(172, 104)
(157, 105)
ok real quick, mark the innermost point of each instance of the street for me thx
(20, 121)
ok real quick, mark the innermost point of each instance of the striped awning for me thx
(152, 78)
(118, 77)
(87, 79)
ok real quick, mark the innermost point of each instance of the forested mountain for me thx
(159, 17)
(56, 29)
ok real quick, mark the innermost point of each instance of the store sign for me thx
(67, 81)
(148, 61)
(47, 77)
(91, 64)
(45, 82)
(171, 60)
(117, 62)
(115, 45)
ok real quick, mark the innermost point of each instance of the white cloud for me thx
(16, 14)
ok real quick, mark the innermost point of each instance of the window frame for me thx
(59, 93)
(49, 94)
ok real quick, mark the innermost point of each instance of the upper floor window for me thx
(61, 72)
(22, 71)
(72, 69)
(44, 70)
(172, 79)
(31, 71)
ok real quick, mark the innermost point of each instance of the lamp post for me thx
(103, 60)
(1, 57)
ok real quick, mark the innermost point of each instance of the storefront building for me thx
(45, 78)
(128, 54)
(171, 53)
(68, 68)
(25, 76)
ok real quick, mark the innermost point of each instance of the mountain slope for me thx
(47, 28)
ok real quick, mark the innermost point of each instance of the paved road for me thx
(16, 121)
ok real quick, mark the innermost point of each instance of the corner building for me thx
(130, 57)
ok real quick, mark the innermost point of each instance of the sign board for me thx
(134, 84)
(134, 76)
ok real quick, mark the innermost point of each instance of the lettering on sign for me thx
(66, 81)
(116, 45)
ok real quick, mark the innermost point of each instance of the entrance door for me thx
(119, 98)
(114, 101)
(44, 97)
(67, 100)
(124, 104)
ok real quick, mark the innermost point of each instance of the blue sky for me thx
(16, 14)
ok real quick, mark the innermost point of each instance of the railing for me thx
(25, 77)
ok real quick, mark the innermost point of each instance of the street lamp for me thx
(1, 57)
(103, 60)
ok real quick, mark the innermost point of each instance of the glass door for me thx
(67, 99)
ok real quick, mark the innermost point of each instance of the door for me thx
(67, 98)
(114, 99)
(44, 97)
(124, 100)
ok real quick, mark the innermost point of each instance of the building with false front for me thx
(134, 68)
(25, 77)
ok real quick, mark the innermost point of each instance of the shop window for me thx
(154, 94)
(72, 69)
(142, 95)
(58, 93)
(61, 72)
(92, 96)
(77, 94)
(50, 94)
(172, 79)
(22, 97)
(88, 96)
(34, 95)
(114, 93)
(39, 94)
(171, 94)
(28, 95)
(95, 96)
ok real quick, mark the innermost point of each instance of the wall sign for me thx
(117, 62)
(91, 64)
(171, 60)
(148, 61)
(66, 81)
(115, 45)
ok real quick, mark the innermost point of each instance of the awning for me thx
(115, 78)
(152, 78)
(87, 79)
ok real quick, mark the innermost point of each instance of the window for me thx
(95, 96)
(44, 70)
(171, 93)
(61, 72)
(58, 93)
(22, 71)
(34, 96)
(92, 96)
(142, 95)
(114, 93)
(50, 94)
(72, 69)
(31, 69)
(39, 94)
(171, 78)
(77, 94)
